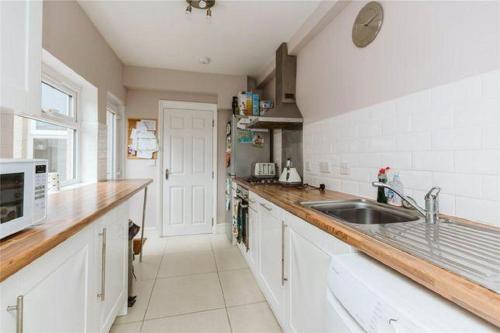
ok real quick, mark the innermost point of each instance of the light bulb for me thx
(209, 13)
(202, 4)
(188, 9)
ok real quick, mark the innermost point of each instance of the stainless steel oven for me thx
(241, 218)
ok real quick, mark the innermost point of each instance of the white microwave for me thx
(23, 194)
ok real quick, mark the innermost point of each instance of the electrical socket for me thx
(323, 167)
(344, 169)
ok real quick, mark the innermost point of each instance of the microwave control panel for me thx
(40, 199)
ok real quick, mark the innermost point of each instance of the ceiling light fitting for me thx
(200, 4)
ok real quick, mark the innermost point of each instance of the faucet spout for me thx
(412, 202)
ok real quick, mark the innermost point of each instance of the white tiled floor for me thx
(195, 284)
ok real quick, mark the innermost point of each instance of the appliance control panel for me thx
(40, 191)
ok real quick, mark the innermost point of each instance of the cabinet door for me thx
(307, 268)
(55, 289)
(270, 257)
(20, 62)
(253, 253)
(113, 237)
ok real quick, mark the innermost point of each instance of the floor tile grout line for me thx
(221, 288)
(152, 289)
(182, 314)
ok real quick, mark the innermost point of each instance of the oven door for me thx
(16, 197)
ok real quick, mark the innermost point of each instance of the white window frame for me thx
(113, 145)
(64, 84)
(60, 82)
(116, 106)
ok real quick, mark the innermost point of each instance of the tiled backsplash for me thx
(448, 136)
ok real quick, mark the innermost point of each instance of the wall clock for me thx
(367, 24)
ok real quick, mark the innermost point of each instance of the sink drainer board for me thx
(468, 250)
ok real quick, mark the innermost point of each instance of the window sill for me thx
(72, 187)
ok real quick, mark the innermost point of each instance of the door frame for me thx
(208, 107)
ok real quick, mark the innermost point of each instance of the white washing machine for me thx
(366, 296)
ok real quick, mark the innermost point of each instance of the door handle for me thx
(19, 307)
(166, 174)
(283, 278)
(102, 294)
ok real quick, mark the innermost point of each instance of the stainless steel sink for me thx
(362, 211)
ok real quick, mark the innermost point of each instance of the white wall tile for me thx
(433, 160)
(491, 84)
(447, 136)
(490, 187)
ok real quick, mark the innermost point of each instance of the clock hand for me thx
(370, 20)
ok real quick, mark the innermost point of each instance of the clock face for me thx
(367, 24)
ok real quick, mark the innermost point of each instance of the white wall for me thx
(422, 44)
(70, 36)
(423, 98)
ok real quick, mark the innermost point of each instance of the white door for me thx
(188, 178)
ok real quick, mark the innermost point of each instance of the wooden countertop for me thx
(68, 212)
(472, 297)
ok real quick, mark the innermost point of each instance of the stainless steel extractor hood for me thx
(285, 113)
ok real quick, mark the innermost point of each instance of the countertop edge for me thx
(19, 261)
(459, 290)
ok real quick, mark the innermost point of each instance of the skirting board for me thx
(220, 228)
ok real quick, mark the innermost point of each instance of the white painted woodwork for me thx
(21, 56)
(306, 287)
(300, 305)
(188, 158)
(253, 237)
(270, 258)
(60, 288)
(57, 289)
(116, 224)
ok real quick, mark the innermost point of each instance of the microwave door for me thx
(11, 196)
(16, 197)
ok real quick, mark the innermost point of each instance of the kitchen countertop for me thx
(68, 212)
(477, 299)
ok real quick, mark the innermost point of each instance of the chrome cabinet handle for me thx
(102, 294)
(166, 174)
(19, 307)
(266, 207)
(283, 278)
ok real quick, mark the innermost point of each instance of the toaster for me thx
(264, 170)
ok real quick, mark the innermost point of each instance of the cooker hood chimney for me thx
(285, 113)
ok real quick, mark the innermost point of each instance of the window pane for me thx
(38, 139)
(55, 100)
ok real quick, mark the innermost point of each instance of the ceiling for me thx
(240, 38)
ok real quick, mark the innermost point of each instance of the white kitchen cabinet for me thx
(305, 290)
(271, 268)
(112, 234)
(56, 290)
(20, 63)
(61, 291)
